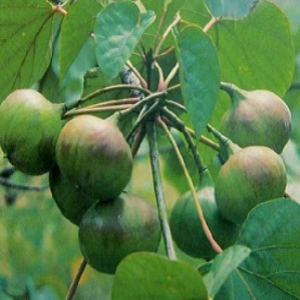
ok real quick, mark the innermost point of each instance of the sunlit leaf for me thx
(272, 270)
(257, 52)
(25, 42)
(77, 27)
(199, 74)
(222, 266)
(119, 28)
(233, 9)
(150, 276)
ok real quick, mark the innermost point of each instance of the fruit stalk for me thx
(158, 189)
(200, 166)
(106, 90)
(75, 282)
(205, 227)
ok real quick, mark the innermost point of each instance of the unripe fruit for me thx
(72, 201)
(29, 127)
(257, 118)
(187, 229)
(250, 176)
(109, 231)
(93, 154)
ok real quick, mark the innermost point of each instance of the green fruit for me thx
(257, 118)
(72, 201)
(250, 176)
(187, 229)
(29, 127)
(109, 231)
(93, 154)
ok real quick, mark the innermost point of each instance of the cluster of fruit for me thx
(89, 164)
(260, 122)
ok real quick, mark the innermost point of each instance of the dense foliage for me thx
(127, 168)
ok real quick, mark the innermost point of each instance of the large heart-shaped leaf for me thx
(233, 9)
(223, 265)
(119, 27)
(272, 270)
(257, 52)
(25, 42)
(199, 74)
(76, 29)
(150, 276)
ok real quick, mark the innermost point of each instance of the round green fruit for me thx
(250, 176)
(109, 231)
(257, 118)
(72, 201)
(29, 127)
(187, 230)
(93, 154)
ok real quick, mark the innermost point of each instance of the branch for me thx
(172, 74)
(210, 24)
(87, 110)
(165, 35)
(177, 123)
(200, 166)
(157, 182)
(205, 227)
(74, 284)
(106, 90)
(23, 187)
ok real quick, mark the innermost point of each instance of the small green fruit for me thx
(187, 229)
(109, 231)
(29, 127)
(93, 154)
(257, 118)
(72, 201)
(250, 176)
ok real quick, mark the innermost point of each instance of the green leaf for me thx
(272, 270)
(199, 74)
(257, 52)
(119, 27)
(165, 12)
(72, 83)
(233, 9)
(150, 276)
(25, 42)
(76, 28)
(222, 266)
(195, 12)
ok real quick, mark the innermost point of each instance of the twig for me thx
(87, 110)
(75, 282)
(174, 87)
(60, 10)
(138, 139)
(205, 227)
(166, 33)
(114, 102)
(166, 52)
(161, 85)
(157, 182)
(172, 74)
(23, 187)
(145, 113)
(210, 24)
(140, 104)
(176, 121)
(106, 90)
(137, 74)
(200, 166)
